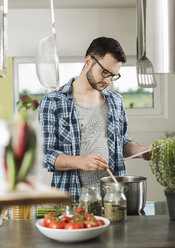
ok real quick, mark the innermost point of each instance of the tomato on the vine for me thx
(101, 222)
(88, 215)
(91, 225)
(79, 220)
(65, 218)
(57, 225)
(48, 218)
(70, 225)
(80, 210)
(79, 225)
(75, 217)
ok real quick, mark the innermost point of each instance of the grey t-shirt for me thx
(93, 138)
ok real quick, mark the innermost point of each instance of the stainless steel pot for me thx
(135, 191)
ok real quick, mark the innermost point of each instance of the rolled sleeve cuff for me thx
(51, 157)
(126, 141)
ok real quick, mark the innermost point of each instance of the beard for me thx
(95, 85)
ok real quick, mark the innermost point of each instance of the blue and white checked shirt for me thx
(59, 122)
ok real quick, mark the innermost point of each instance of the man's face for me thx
(95, 75)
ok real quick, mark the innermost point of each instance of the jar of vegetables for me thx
(115, 203)
(91, 200)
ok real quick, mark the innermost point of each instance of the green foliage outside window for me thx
(139, 98)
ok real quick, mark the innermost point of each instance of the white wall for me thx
(75, 30)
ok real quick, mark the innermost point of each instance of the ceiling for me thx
(43, 4)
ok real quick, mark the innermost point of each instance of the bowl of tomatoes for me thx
(75, 228)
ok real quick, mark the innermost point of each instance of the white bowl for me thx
(73, 235)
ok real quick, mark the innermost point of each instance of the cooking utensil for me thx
(135, 191)
(145, 71)
(113, 177)
(47, 60)
(140, 153)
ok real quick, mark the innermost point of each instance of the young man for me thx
(84, 124)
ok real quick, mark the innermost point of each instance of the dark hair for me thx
(103, 45)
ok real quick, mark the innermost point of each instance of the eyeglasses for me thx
(105, 73)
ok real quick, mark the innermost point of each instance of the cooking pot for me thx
(135, 191)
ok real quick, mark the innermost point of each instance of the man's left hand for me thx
(147, 156)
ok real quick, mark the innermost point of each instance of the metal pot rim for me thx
(126, 179)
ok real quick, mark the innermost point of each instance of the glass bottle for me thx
(115, 203)
(91, 200)
(19, 212)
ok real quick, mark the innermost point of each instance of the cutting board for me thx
(25, 194)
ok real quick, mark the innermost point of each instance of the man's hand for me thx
(147, 156)
(91, 162)
(94, 162)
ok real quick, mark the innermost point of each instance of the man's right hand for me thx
(93, 162)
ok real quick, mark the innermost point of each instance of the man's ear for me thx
(87, 62)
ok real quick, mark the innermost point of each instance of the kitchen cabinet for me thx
(135, 232)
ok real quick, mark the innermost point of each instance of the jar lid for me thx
(92, 187)
(117, 186)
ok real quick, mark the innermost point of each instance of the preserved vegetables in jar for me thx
(90, 200)
(115, 203)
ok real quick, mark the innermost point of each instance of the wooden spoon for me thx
(110, 173)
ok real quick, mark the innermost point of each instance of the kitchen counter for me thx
(136, 231)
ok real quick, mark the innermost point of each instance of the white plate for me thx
(73, 235)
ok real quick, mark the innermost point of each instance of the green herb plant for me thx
(163, 163)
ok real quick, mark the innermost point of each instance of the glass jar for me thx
(115, 203)
(22, 212)
(91, 200)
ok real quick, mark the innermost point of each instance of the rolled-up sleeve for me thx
(48, 119)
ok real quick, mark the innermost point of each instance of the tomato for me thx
(56, 225)
(79, 225)
(91, 223)
(65, 218)
(70, 226)
(78, 221)
(101, 222)
(89, 216)
(47, 219)
(80, 210)
(77, 217)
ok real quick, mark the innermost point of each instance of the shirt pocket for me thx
(64, 133)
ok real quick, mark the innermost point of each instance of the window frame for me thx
(157, 110)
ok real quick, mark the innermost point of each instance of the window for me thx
(137, 100)
(134, 96)
(26, 80)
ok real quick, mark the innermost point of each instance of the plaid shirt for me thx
(60, 128)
